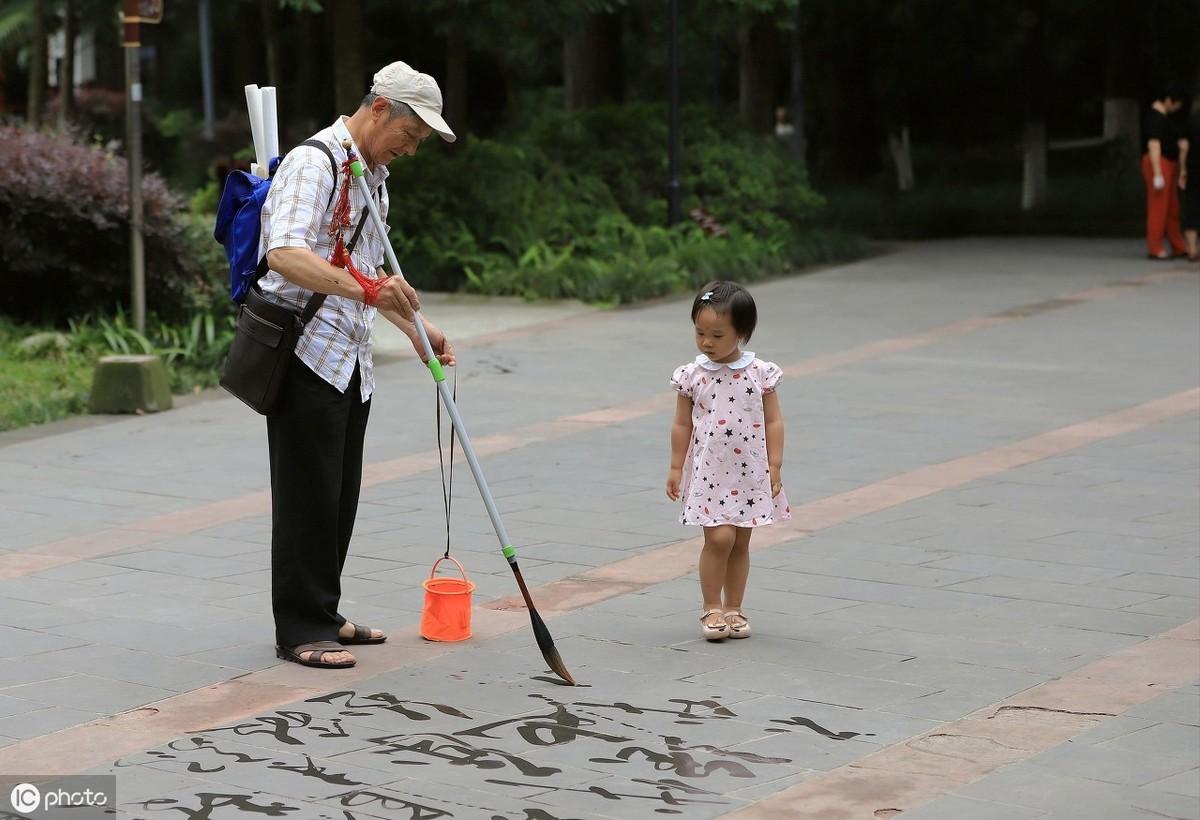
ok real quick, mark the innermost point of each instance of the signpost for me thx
(673, 81)
(134, 13)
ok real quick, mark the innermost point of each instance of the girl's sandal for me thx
(717, 632)
(739, 627)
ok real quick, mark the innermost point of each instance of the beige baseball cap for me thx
(401, 82)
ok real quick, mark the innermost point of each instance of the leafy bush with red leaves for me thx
(64, 232)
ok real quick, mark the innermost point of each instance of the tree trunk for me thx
(66, 79)
(592, 62)
(37, 67)
(799, 142)
(756, 78)
(351, 81)
(269, 10)
(456, 81)
(1121, 111)
(310, 97)
(1034, 143)
(1033, 184)
(901, 150)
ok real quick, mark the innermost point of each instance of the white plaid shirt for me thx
(295, 215)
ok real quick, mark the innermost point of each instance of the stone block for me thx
(130, 384)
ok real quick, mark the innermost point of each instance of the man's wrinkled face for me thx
(396, 136)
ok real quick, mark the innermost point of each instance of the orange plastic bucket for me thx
(447, 612)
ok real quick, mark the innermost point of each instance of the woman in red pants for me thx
(1160, 169)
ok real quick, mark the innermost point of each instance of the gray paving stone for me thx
(1162, 738)
(162, 638)
(1028, 785)
(823, 687)
(953, 807)
(1031, 590)
(35, 616)
(20, 643)
(1112, 765)
(1186, 783)
(1020, 657)
(88, 693)
(32, 724)
(1034, 570)
(942, 705)
(1171, 606)
(1082, 617)
(804, 654)
(1180, 706)
(15, 705)
(163, 583)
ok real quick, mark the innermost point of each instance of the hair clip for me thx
(707, 296)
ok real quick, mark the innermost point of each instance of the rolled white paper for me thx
(270, 120)
(254, 105)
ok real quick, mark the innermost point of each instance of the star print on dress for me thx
(715, 473)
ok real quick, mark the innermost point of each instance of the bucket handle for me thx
(461, 568)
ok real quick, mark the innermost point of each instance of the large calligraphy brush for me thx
(544, 641)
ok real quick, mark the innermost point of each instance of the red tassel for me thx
(337, 228)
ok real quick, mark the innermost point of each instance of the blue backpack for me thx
(239, 223)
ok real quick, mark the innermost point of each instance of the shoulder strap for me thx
(261, 271)
(332, 165)
(315, 301)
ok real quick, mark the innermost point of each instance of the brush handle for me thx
(439, 377)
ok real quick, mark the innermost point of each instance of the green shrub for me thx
(572, 206)
(622, 263)
(65, 244)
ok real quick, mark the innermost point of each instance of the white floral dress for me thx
(726, 476)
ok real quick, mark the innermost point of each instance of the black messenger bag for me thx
(262, 349)
(264, 341)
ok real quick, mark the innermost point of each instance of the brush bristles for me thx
(546, 644)
(556, 665)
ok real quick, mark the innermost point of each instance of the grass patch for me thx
(46, 375)
(42, 388)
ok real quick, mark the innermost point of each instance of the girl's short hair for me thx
(729, 298)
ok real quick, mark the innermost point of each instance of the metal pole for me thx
(443, 389)
(206, 73)
(133, 141)
(673, 213)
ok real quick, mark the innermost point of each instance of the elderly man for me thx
(316, 434)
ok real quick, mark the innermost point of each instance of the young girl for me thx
(726, 451)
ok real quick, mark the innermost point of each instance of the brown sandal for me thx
(362, 635)
(318, 649)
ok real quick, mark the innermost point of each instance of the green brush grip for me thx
(509, 552)
(435, 367)
(356, 168)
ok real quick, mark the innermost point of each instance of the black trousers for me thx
(316, 447)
